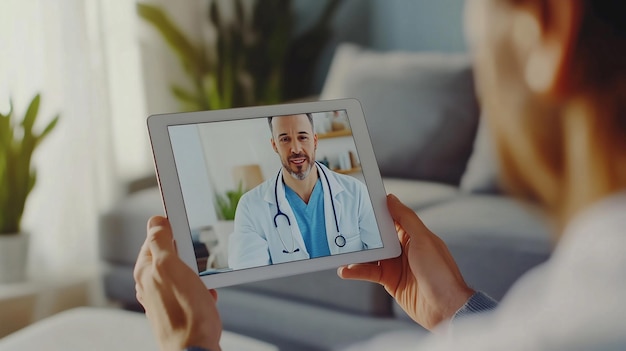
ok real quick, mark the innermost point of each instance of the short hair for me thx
(308, 115)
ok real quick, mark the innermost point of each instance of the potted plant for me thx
(227, 204)
(258, 58)
(18, 141)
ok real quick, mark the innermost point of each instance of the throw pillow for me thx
(481, 175)
(420, 108)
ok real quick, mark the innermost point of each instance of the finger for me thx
(406, 217)
(370, 272)
(144, 252)
(214, 294)
(403, 236)
(155, 222)
(144, 259)
(160, 238)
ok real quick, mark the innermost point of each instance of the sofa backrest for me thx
(420, 108)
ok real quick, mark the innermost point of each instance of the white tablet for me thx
(263, 192)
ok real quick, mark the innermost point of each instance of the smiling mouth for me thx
(298, 160)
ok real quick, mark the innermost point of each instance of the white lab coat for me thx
(256, 241)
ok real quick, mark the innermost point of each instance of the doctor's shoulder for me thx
(253, 197)
(350, 184)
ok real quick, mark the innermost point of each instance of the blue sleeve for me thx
(479, 302)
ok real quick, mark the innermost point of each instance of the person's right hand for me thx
(424, 279)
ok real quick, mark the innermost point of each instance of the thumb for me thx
(160, 238)
(371, 272)
(405, 217)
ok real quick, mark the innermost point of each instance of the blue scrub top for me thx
(310, 218)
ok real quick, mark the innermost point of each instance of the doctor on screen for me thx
(305, 211)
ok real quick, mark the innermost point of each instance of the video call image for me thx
(263, 191)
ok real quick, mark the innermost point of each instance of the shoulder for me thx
(596, 238)
(348, 182)
(258, 192)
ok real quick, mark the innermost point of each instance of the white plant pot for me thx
(13, 257)
(218, 257)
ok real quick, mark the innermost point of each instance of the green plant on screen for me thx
(227, 204)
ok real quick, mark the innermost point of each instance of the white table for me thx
(95, 329)
(38, 297)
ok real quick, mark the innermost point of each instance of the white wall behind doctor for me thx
(237, 143)
(197, 190)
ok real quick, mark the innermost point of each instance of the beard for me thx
(301, 171)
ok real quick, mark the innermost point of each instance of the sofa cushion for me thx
(419, 194)
(298, 326)
(122, 230)
(494, 239)
(481, 175)
(420, 109)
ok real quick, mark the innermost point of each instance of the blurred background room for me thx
(101, 67)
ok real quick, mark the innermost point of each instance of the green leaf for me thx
(183, 95)
(227, 205)
(48, 128)
(214, 15)
(10, 109)
(17, 177)
(32, 180)
(6, 131)
(31, 115)
(191, 58)
(212, 94)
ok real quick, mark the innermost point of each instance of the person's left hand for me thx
(180, 309)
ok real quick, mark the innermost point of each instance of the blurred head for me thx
(295, 142)
(551, 77)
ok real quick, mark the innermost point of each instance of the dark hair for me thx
(601, 46)
(601, 58)
(308, 115)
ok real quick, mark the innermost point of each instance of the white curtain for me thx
(83, 56)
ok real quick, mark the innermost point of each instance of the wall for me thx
(409, 25)
(417, 25)
(197, 191)
(161, 68)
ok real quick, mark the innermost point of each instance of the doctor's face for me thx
(295, 142)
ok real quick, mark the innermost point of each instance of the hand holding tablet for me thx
(316, 202)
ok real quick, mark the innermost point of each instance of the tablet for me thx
(263, 192)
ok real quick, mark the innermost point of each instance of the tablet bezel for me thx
(174, 207)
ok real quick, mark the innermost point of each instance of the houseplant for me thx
(227, 204)
(18, 141)
(258, 58)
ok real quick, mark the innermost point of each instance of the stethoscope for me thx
(340, 240)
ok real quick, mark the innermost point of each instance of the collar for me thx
(333, 182)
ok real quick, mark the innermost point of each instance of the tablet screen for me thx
(271, 190)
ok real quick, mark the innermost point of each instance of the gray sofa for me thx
(423, 119)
